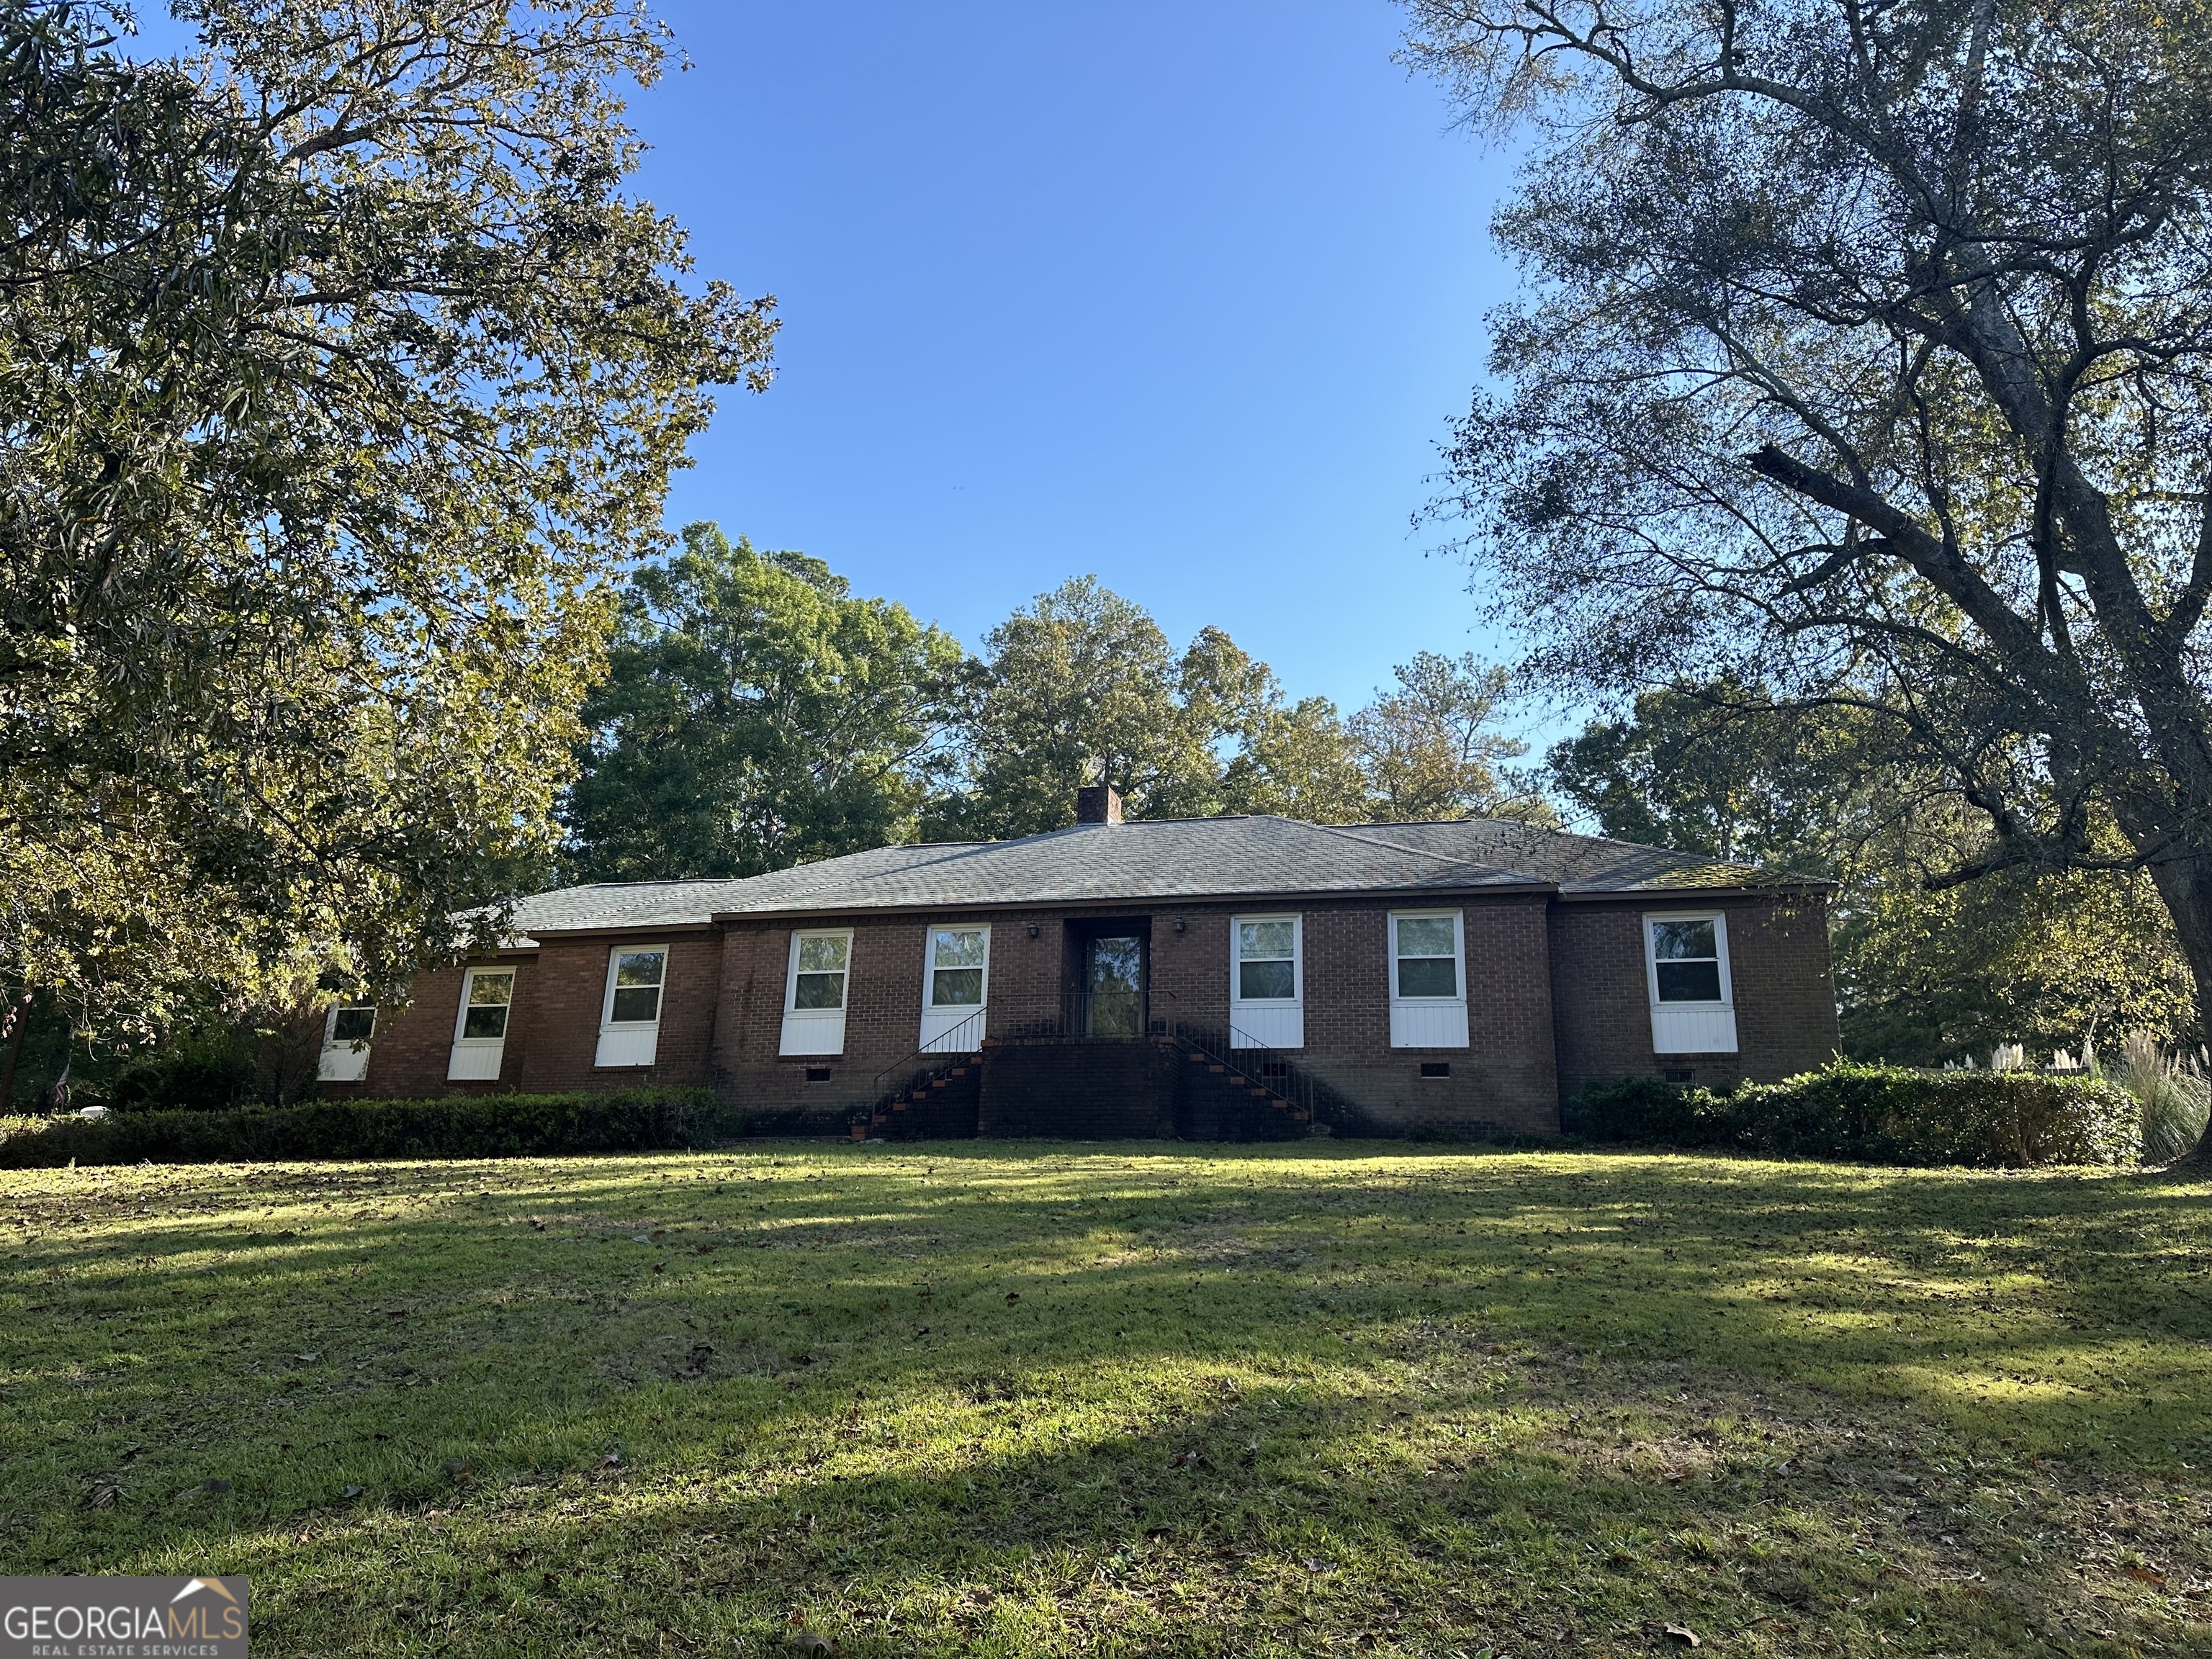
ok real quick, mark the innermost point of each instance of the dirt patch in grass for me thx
(1003, 1400)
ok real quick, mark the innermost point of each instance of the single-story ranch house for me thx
(1216, 978)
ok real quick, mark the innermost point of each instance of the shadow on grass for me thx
(947, 1389)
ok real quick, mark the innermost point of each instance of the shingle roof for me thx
(1174, 859)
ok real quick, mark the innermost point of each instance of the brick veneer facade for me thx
(1785, 990)
(1555, 986)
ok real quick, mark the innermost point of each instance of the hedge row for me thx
(1879, 1114)
(462, 1126)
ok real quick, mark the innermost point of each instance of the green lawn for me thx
(1039, 1398)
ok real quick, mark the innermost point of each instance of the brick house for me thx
(1217, 978)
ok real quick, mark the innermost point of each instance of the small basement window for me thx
(818, 1074)
(1436, 1068)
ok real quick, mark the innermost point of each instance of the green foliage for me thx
(1083, 686)
(1865, 352)
(1211, 1403)
(338, 376)
(2048, 960)
(2172, 1095)
(1879, 1114)
(755, 715)
(1716, 768)
(457, 1125)
(1928, 969)
(1430, 747)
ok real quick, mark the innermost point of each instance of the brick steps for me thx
(933, 1105)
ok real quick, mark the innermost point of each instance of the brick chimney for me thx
(1097, 803)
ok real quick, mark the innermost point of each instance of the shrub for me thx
(2170, 1095)
(1646, 1109)
(461, 1126)
(1879, 1114)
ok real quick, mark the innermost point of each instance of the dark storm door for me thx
(1114, 986)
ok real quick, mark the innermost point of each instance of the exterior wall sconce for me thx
(1033, 930)
(1178, 924)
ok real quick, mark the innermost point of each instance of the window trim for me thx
(948, 1010)
(346, 1060)
(614, 954)
(791, 974)
(1719, 920)
(1298, 997)
(1458, 920)
(468, 985)
(330, 1038)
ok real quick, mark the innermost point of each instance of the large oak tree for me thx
(339, 376)
(1867, 345)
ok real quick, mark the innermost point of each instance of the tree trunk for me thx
(15, 1023)
(2185, 885)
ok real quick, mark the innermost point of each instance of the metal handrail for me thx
(942, 1043)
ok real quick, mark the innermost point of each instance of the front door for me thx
(1114, 986)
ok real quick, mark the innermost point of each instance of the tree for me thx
(755, 715)
(338, 375)
(1299, 761)
(1869, 348)
(1082, 686)
(1924, 975)
(1430, 750)
(1717, 769)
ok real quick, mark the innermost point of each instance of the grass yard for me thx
(1133, 1399)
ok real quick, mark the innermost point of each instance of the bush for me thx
(461, 1126)
(2172, 1095)
(1879, 1114)
(1645, 1108)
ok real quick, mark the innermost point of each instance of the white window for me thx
(1267, 982)
(347, 1032)
(814, 991)
(955, 985)
(1428, 979)
(1685, 966)
(480, 1027)
(629, 1015)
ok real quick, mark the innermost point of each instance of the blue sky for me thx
(1180, 294)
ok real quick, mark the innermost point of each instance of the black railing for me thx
(964, 1038)
(1124, 1017)
(1075, 1016)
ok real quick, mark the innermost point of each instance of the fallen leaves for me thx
(1683, 1634)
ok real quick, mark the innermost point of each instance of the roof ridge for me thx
(1350, 832)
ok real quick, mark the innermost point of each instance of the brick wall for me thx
(407, 1060)
(1556, 997)
(1785, 1000)
(569, 996)
(1504, 1077)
